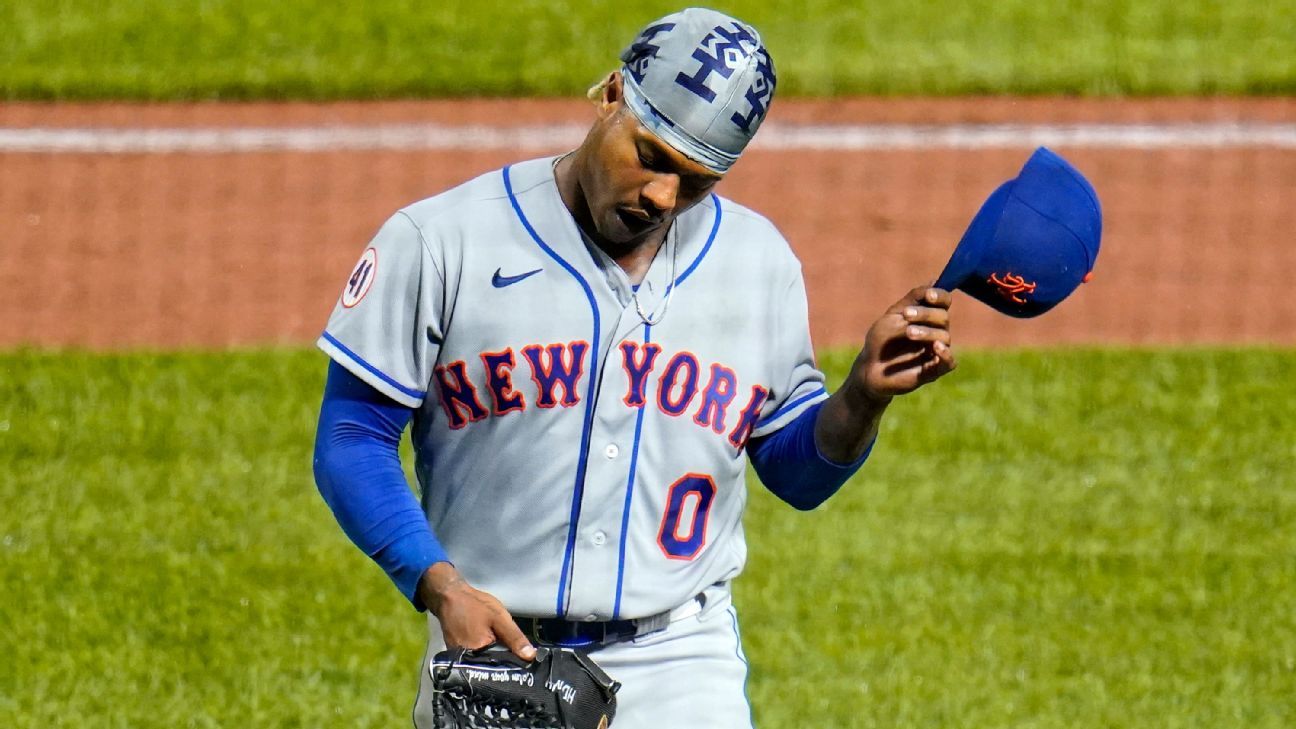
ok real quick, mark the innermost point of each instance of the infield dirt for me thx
(246, 248)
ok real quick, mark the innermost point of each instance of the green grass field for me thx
(236, 49)
(1049, 539)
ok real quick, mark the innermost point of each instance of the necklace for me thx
(672, 242)
(655, 318)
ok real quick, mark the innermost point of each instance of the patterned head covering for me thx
(702, 82)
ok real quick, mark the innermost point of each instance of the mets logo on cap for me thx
(1032, 243)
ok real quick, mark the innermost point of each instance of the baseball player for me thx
(590, 348)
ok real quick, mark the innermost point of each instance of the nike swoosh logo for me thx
(500, 282)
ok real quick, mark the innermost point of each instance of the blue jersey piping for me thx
(733, 620)
(625, 511)
(634, 453)
(788, 406)
(578, 489)
(420, 394)
(715, 227)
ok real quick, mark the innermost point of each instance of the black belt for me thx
(583, 634)
(576, 634)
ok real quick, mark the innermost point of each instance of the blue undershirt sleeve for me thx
(358, 472)
(790, 465)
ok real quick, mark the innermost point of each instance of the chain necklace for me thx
(655, 318)
(673, 243)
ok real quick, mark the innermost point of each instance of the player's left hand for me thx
(907, 347)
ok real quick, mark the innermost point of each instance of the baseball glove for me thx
(561, 688)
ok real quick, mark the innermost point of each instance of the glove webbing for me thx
(454, 705)
(483, 714)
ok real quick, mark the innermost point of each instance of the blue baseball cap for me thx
(1032, 243)
(702, 82)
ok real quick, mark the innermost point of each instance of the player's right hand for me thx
(469, 617)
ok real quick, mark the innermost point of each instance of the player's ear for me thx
(612, 97)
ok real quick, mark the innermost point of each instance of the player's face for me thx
(640, 184)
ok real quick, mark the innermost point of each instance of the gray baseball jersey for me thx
(574, 459)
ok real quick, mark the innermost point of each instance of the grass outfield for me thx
(1057, 539)
(245, 49)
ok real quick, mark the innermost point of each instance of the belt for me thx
(583, 633)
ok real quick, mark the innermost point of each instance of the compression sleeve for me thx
(790, 465)
(358, 472)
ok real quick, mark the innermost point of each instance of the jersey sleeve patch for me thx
(362, 278)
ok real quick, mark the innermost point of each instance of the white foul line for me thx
(783, 137)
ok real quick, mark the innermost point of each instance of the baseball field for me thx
(1092, 523)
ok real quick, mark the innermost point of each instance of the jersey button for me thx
(611, 451)
(599, 539)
